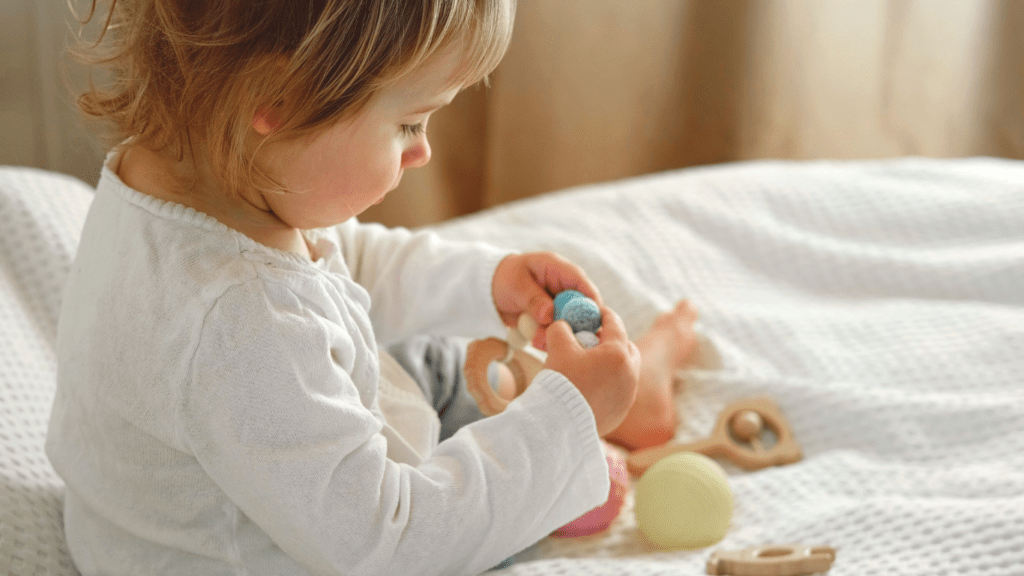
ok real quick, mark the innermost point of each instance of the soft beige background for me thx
(593, 90)
(38, 120)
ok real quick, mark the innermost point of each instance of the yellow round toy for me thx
(684, 501)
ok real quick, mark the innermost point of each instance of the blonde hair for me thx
(189, 76)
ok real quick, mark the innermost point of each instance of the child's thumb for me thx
(559, 337)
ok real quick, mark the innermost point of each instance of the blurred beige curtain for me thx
(38, 119)
(594, 90)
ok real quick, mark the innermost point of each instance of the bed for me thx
(879, 303)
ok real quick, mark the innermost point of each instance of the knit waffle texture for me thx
(41, 215)
(879, 303)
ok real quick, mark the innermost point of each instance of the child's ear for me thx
(264, 121)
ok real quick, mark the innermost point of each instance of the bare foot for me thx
(664, 349)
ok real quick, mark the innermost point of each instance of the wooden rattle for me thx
(737, 437)
(787, 560)
(481, 353)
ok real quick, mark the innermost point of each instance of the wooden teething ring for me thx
(479, 356)
(785, 560)
(740, 421)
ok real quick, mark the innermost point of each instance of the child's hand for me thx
(607, 375)
(526, 283)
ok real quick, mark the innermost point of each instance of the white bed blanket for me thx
(880, 303)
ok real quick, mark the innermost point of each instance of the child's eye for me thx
(413, 129)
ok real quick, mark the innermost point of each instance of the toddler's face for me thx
(342, 171)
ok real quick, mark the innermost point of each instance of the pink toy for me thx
(602, 517)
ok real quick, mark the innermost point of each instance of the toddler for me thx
(226, 403)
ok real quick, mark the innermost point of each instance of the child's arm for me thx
(276, 413)
(420, 283)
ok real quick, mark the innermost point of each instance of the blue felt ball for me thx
(582, 314)
(562, 298)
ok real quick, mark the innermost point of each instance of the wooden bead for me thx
(527, 326)
(747, 425)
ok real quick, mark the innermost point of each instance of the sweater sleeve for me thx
(420, 283)
(275, 413)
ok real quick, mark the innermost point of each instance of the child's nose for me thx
(417, 155)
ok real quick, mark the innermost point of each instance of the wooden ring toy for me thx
(736, 437)
(785, 560)
(479, 356)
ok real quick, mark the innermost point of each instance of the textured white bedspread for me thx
(881, 304)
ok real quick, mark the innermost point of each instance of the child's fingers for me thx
(542, 306)
(560, 338)
(612, 328)
(540, 340)
(533, 300)
(582, 284)
(557, 274)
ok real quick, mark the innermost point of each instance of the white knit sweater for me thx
(220, 407)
